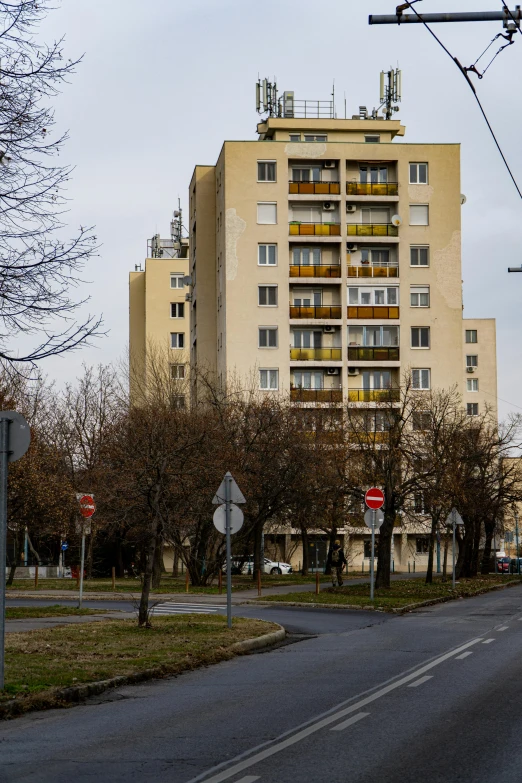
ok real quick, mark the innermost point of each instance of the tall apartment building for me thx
(326, 258)
(159, 313)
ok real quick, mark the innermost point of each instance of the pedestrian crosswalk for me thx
(172, 608)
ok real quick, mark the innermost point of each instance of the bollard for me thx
(113, 578)
(258, 582)
(414, 566)
(408, 566)
(36, 576)
(220, 581)
(78, 579)
(186, 581)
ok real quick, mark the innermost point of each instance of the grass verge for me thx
(29, 612)
(401, 593)
(40, 663)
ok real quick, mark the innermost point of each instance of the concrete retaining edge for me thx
(78, 693)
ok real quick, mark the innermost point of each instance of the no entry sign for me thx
(374, 498)
(87, 506)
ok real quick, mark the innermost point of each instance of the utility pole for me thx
(505, 16)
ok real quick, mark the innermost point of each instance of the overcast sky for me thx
(163, 83)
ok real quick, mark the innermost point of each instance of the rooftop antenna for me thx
(266, 97)
(391, 91)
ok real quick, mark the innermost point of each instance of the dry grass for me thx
(29, 612)
(54, 658)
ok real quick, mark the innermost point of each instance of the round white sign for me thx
(236, 518)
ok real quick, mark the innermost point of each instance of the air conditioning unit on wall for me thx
(329, 164)
(332, 371)
(328, 206)
(470, 369)
(353, 371)
(351, 208)
(328, 329)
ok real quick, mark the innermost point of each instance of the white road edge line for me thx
(503, 628)
(248, 779)
(488, 641)
(464, 655)
(320, 724)
(421, 681)
(349, 722)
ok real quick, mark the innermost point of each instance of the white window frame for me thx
(372, 290)
(267, 329)
(311, 138)
(266, 245)
(416, 181)
(175, 306)
(177, 277)
(295, 138)
(265, 162)
(471, 332)
(272, 374)
(418, 291)
(413, 211)
(266, 204)
(420, 347)
(175, 372)
(420, 386)
(470, 383)
(259, 296)
(471, 363)
(177, 335)
(471, 407)
(420, 247)
(312, 251)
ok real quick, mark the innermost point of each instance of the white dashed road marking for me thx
(350, 721)
(488, 641)
(503, 628)
(421, 681)
(464, 655)
(248, 779)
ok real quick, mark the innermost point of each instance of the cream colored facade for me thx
(159, 315)
(331, 268)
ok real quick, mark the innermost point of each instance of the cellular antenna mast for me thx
(391, 89)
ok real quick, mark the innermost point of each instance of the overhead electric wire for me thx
(461, 69)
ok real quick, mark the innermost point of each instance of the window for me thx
(373, 336)
(375, 215)
(419, 296)
(368, 547)
(373, 296)
(306, 256)
(268, 380)
(177, 340)
(419, 215)
(472, 409)
(419, 173)
(419, 256)
(471, 335)
(176, 281)
(267, 255)
(420, 379)
(177, 372)
(266, 213)
(376, 379)
(472, 384)
(295, 137)
(307, 338)
(373, 174)
(420, 421)
(266, 171)
(177, 309)
(308, 174)
(267, 295)
(177, 401)
(375, 256)
(471, 361)
(305, 297)
(422, 545)
(374, 139)
(268, 337)
(304, 379)
(420, 336)
(315, 137)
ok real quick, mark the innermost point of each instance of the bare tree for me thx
(38, 268)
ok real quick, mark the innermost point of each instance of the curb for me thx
(75, 694)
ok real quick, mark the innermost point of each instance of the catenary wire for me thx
(461, 69)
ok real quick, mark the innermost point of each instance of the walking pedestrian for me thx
(337, 562)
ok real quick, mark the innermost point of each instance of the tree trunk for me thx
(158, 568)
(143, 614)
(331, 542)
(14, 562)
(489, 527)
(433, 535)
(476, 549)
(175, 563)
(445, 561)
(304, 539)
(258, 540)
(383, 576)
(33, 550)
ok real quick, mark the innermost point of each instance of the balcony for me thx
(372, 312)
(374, 395)
(372, 230)
(315, 271)
(315, 311)
(315, 354)
(315, 188)
(372, 189)
(315, 229)
(368, 270)
(316, 395)
(362, 354)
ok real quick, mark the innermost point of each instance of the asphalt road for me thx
(431, 696)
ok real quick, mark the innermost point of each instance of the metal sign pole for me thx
(372, 562)
(516, 535)
(4, 457)
(453, 552)
(81, 569)
(228, 480)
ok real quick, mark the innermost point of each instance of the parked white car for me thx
(240, 566)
